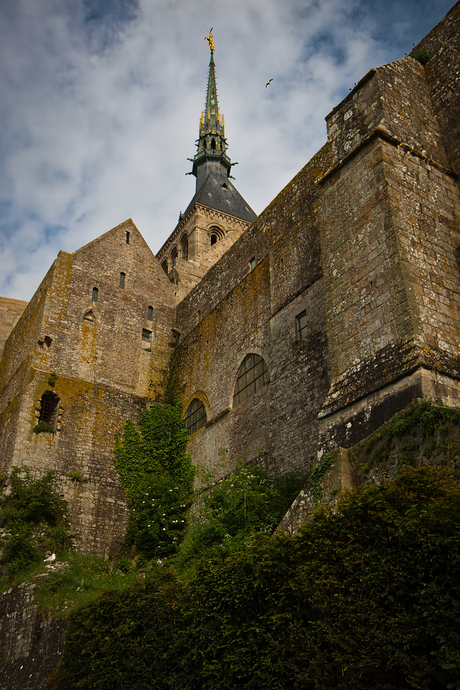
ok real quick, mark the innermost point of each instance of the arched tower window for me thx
(173, 256)
(122, 279)
(252, 377)
(94, 294)
(49, 408)
(195, 417)
(184, 244)
(215, 234)
(164, 266)
(149, 313)
(213, 144)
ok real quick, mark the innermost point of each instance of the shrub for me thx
(421, 55)
(34, 518)
(363, 597)
(43, 428)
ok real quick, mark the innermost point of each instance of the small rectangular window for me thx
(301, 325)
(122, 279)
(146, 335)
(150, 314)
(94, 294)
(252, 264)
(127, 237)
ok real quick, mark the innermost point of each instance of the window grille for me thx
(252, 377)
(301, 325)
(146, 335)
(49, 408)
(195, 417)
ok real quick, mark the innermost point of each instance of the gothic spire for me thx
(212, 145)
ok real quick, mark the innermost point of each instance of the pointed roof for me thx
(211, 165)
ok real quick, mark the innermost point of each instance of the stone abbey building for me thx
(291, 333)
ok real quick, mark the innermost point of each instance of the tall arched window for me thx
(184, 245)
(164, 266)
(149, 313)
(122, 279)
(173, 256)
(94, 294)
(252, 377)
(195, 417)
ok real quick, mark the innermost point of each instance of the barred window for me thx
(195, 417)
(49, 408)
(301, 325)
(252, 377)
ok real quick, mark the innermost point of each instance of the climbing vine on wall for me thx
(157, 475)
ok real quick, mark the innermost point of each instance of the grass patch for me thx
(82, 580)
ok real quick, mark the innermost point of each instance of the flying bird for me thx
(268, 83)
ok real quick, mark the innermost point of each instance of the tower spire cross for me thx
(212, 145)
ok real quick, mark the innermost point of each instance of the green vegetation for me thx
(81, 580)
(52, 379)
(157, 475)
(234, 509)
(33, 520)
(421, 55)
(316, 476)
(43, 428)
(365, 596)
(421, 419)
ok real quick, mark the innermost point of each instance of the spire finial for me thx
(209, 39)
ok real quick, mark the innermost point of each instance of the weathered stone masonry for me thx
(362, 246)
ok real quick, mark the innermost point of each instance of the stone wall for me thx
(235, 311)
(31, 642)
(10, 311)
(111, 356)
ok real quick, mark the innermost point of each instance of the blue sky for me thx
(100, 103)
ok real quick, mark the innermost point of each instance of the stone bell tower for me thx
(217, 214)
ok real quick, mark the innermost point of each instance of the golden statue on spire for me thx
(209, 39)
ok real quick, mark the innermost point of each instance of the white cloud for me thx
(100, 104)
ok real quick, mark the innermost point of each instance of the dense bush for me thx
(33, 517)
(157, 475)
(364, 597)
(249, 501)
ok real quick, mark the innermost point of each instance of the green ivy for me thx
(315, 478)
(157, 475)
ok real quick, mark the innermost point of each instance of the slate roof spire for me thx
(212, 144)
(211, 165)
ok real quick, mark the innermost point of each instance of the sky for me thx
(100, 102)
